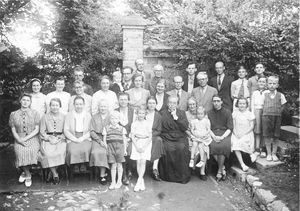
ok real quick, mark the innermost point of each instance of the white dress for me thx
(142, 128)
(241, 123)
(38, 103)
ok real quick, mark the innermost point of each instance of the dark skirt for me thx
(221, 148)
(174, 165)
(98, 155)
(157, 148)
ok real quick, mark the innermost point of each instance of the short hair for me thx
(162, 81)
(159, 66)
(217, 95)
(34, 80)
(136, 75)
(25, 95)
(220, 61)
(257, 63)
(78, 98)
(202, 73)
(192, 98)
(151, 98)
(141, 108)
(239, 99)
(60, 78)
(177, 76)
(201, 108)
(55, 99)
(274, 77)
(123, 94)
(242, 67)
(262, 76)
(78, 68)
(117, 73)
(78, 82)
(137, 60)
(173, 97)
(127, 67)
(115, 114)
(104, 77)
(103, 101)
(192, 63)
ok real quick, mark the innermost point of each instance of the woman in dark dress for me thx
(174, 165)
(154, 118)
(161, 96)
(221, 126)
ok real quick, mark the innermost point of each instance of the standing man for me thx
(222, 83)
(190, 80)
(204, 93)
(127, 78)
(139, 64)
(78, 75)
(179, 93)
(158, 71)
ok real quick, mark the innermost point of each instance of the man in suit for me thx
(222, 83)
(139, 64)
(127, 78)
(158, 71)
(126, 119)
(204, 93)
(179, 93)
(78, 75)
(190, 80)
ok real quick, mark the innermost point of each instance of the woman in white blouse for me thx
(38, 99)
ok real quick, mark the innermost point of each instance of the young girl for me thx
(256, 108)
(200, 134)
(242, 138)
(117, 82)
(115, 137)
(141, 135)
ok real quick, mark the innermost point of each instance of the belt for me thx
(55, 133)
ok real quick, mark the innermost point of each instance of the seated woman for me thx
(53, 144)
(77, 131)
(174, 166)
(161, 96)
(24, 125)
(221, 127)
(154, 119)
(98, 157)
(138, 95)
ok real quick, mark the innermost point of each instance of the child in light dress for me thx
(200, 134)
(114, 135)
(242, 139)
(141, 135)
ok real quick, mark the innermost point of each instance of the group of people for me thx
(142, 118)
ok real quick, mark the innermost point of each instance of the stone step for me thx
(262, 163)
(240, 174)
(296, 121)
(289, 134)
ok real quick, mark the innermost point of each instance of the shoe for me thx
(28, 182)
(253, 157)
(203, 177)
(245, 168)
(269, 158)
(191, 165)
(129, 176)
(118, 185)
(103, 181)
(263, 154)
(22, 177)
(200, 164)
(125, 181)
(137, 186)
(56, 180)
(275, 158)
(156, 175)
(142, 185)
(112, 186)
(219, 177)
(224, 175)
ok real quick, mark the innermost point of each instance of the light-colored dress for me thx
(78, 125)
(52, 155)
(38, 103)
(25, 122)
(142, 128)
(109, 96)
(64, 98)
(137, 99)
(241, 123)
(87, 102)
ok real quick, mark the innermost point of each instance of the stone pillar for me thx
(133, 39)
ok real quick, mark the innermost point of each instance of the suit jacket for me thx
(205, 99)
(183, 101)
(185, 80)
(225, 90)
(130, 119)
(165, 101)
(130, 87)
(115, 88)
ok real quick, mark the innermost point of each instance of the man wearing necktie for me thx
(179, 93)
(190, 80)
(222, 83)
(127, 75)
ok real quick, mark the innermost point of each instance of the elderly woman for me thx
(98, 156)
(161, 96)
(38, 99)
(138, 95)
(77, 131)
(53, 144)
(221, 126)
(104, 94)
(174, 166)
(154, 118)
(79, 90)
(24, 125)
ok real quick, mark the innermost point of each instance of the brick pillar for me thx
(133, 39)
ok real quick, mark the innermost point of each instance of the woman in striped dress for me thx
(24, 125)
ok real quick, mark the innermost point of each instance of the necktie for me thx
(178, 95)
(219, 82)
(241, 91)
(126, 86)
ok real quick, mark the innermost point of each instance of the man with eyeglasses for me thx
(127, 78)
(79, 90)
(178, 92)
(78, 75)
